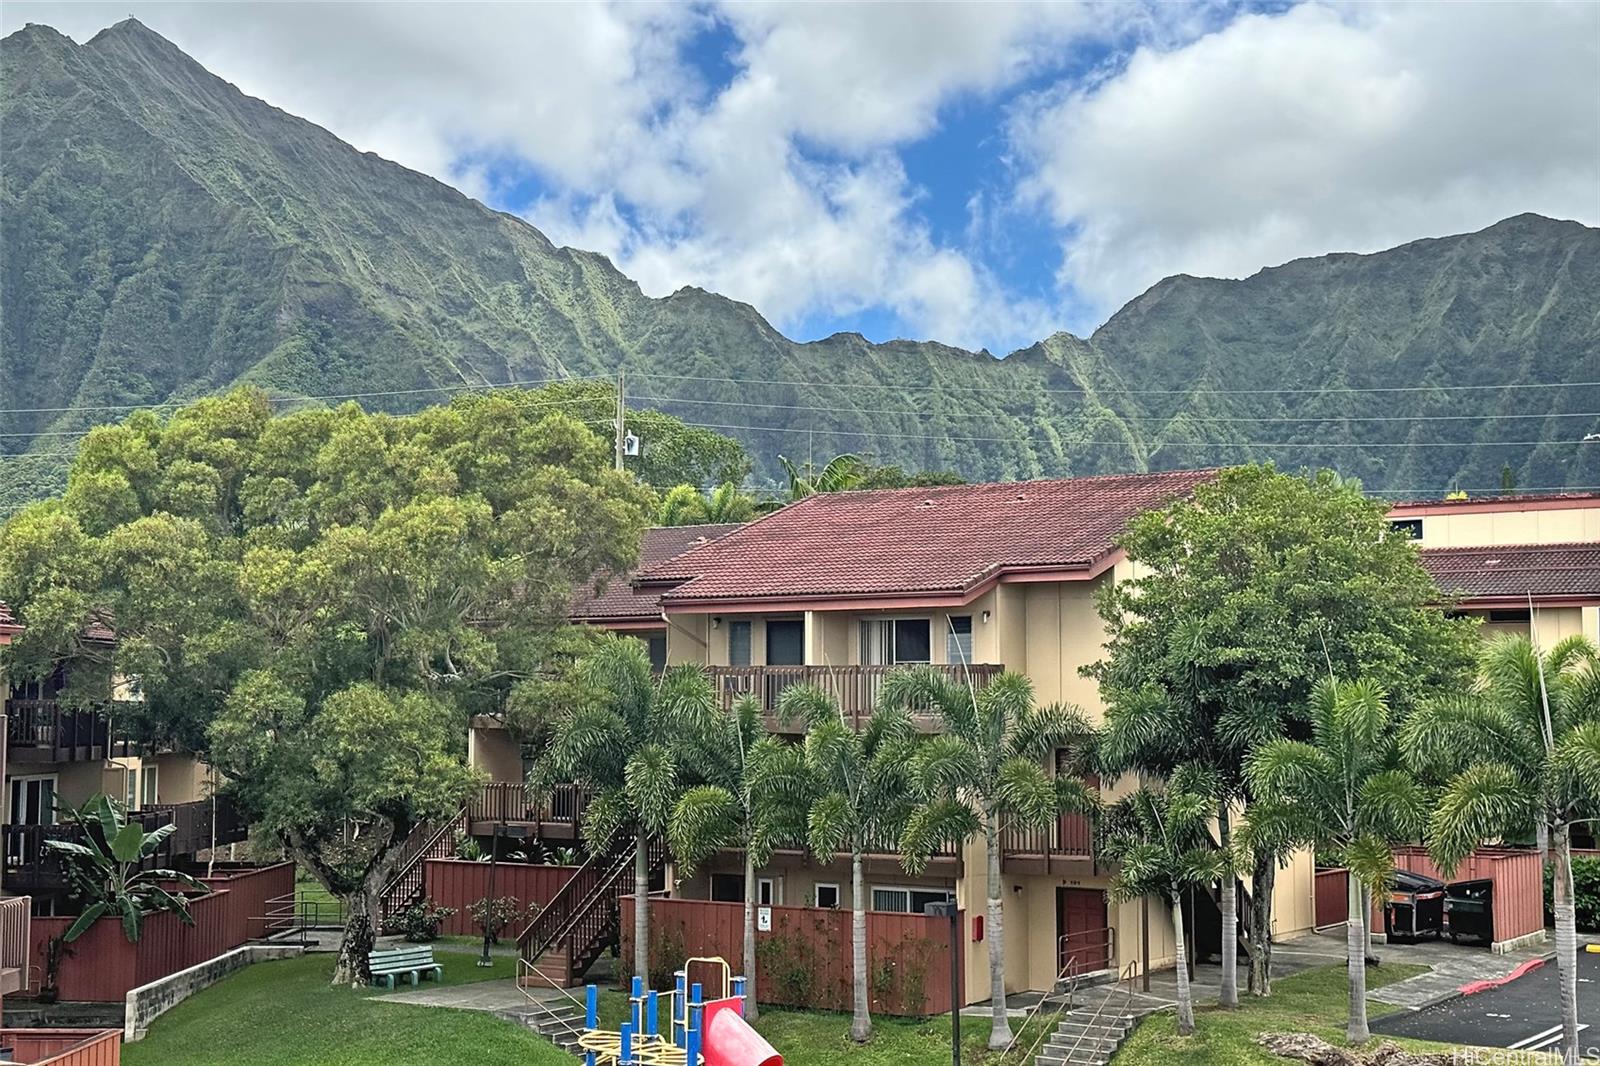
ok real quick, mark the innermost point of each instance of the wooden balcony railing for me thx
(40, 730)
(15, 927)
(561, 809)
(855, 687)
(1070, 837)
(29, 863)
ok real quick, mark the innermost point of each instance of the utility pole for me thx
(621, 411)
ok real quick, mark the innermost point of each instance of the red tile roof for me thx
(618, 600)
(1510, 502)
(1547, 571)
(895, 542)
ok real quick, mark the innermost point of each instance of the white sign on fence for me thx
(764, 919)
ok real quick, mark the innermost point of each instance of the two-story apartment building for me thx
(59, 757)
(839, 589)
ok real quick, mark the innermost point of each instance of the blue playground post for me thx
(625, 1051)
(692, 1044)
(636, 1005)
(651, 1014)
(591, 1017)
(738, 990)
(680, 1007)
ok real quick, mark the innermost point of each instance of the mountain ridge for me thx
(166, 235)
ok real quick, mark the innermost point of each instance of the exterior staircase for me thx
(1090, 1033)
(559, 1019)
(575, 928)
(433, 840)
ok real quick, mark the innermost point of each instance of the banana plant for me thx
(108, 871)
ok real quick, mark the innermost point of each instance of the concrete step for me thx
(1114, 1028)
(1080, 1057)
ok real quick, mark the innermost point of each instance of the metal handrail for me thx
(1126, 978)
(1068, 974)
(1110, 943)
(526, 970)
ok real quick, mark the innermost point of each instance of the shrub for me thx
(421, 922)
(1586, 893)
(494, 919)
(468, 849)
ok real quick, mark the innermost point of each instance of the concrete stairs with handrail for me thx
(559, 1019)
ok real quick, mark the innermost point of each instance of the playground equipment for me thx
(700, 1032)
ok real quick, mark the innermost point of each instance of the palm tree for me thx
(684, 505)
(625, 743)
(861, 797)
(984, 772)
(726, 503)
(1346, 793)
(842, 472)
(755, 799)
(1161, 839)
(1519, 754)
(107, 871)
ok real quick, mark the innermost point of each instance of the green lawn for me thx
(1309, 1002)
(285, 1014)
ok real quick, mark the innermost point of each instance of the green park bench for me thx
(415, 962)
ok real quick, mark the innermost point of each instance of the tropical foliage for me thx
(1346, 793)
(627, 741)
(838, 474)
(320, 601)
(755, 799)
(685, 505)
(861, 800)
(1519, 755)
(1160, 839)
(1245, 596)
(983, 773)
(108, 872)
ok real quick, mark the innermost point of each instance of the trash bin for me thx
(1415, 907)
(1469, 910)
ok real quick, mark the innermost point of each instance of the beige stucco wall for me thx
(1510, 526)
(491, 748)
(1553, 625)
(1062, 633)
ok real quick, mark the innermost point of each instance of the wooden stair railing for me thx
(430, 841)
(573, 930)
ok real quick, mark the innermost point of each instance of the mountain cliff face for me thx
(164, 235)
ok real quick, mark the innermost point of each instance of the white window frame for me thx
(949, 893)
(772, 888)
(19, 784)
(953, 653)
(750, 645)
(838, 895)
(876, 652)
(149, 786)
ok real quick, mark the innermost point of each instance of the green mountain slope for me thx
(163, 235)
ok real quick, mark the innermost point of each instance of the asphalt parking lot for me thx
(1523, 1014)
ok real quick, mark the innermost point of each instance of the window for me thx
(767, 894)
(130, 785)
(1410, 527)
(908, 900)
(828, 896)
(658, 651)
(738, 643)
(958, 640)
(897, 640)
(1510, 615)
(786, 642)
(148, 792)
(727, 888)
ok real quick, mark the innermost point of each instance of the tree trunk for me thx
(362, 909)
(1228, 904)
(861, 1019)
(1264, 877)
(641, 907)
(1356, 1031)
(1185, 996)
(751, 1011)
(1000, 1025)
(1566, 938)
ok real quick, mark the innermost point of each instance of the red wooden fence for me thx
(1518, 884)
(103, 966)
(1332, 899)
(459, 884)
(805, 960)
(64, 1047)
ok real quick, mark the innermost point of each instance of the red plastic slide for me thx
(728, 1039)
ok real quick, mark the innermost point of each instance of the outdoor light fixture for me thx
(985, 617)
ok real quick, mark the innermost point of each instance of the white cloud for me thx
(1320, 129)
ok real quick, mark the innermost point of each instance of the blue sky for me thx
(977, 174)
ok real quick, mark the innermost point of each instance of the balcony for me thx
(40, 731)
(557, 816)
(31, 866)
(855, 687)
(15, 921)
(1064, 846)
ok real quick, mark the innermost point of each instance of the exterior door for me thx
(1081, 929)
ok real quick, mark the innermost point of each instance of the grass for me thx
(285, 1014)
(1310, 1002)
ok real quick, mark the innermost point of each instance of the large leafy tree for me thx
(1244, 596)
(984, 772)
(1160, 840)
(861, 798)
(1518, 754)
(627, 742)
(1346, 793)
(755, 799)
(318, 601)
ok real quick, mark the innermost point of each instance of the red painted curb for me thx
(1483, 986)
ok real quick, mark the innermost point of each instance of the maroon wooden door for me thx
(1081, 929)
